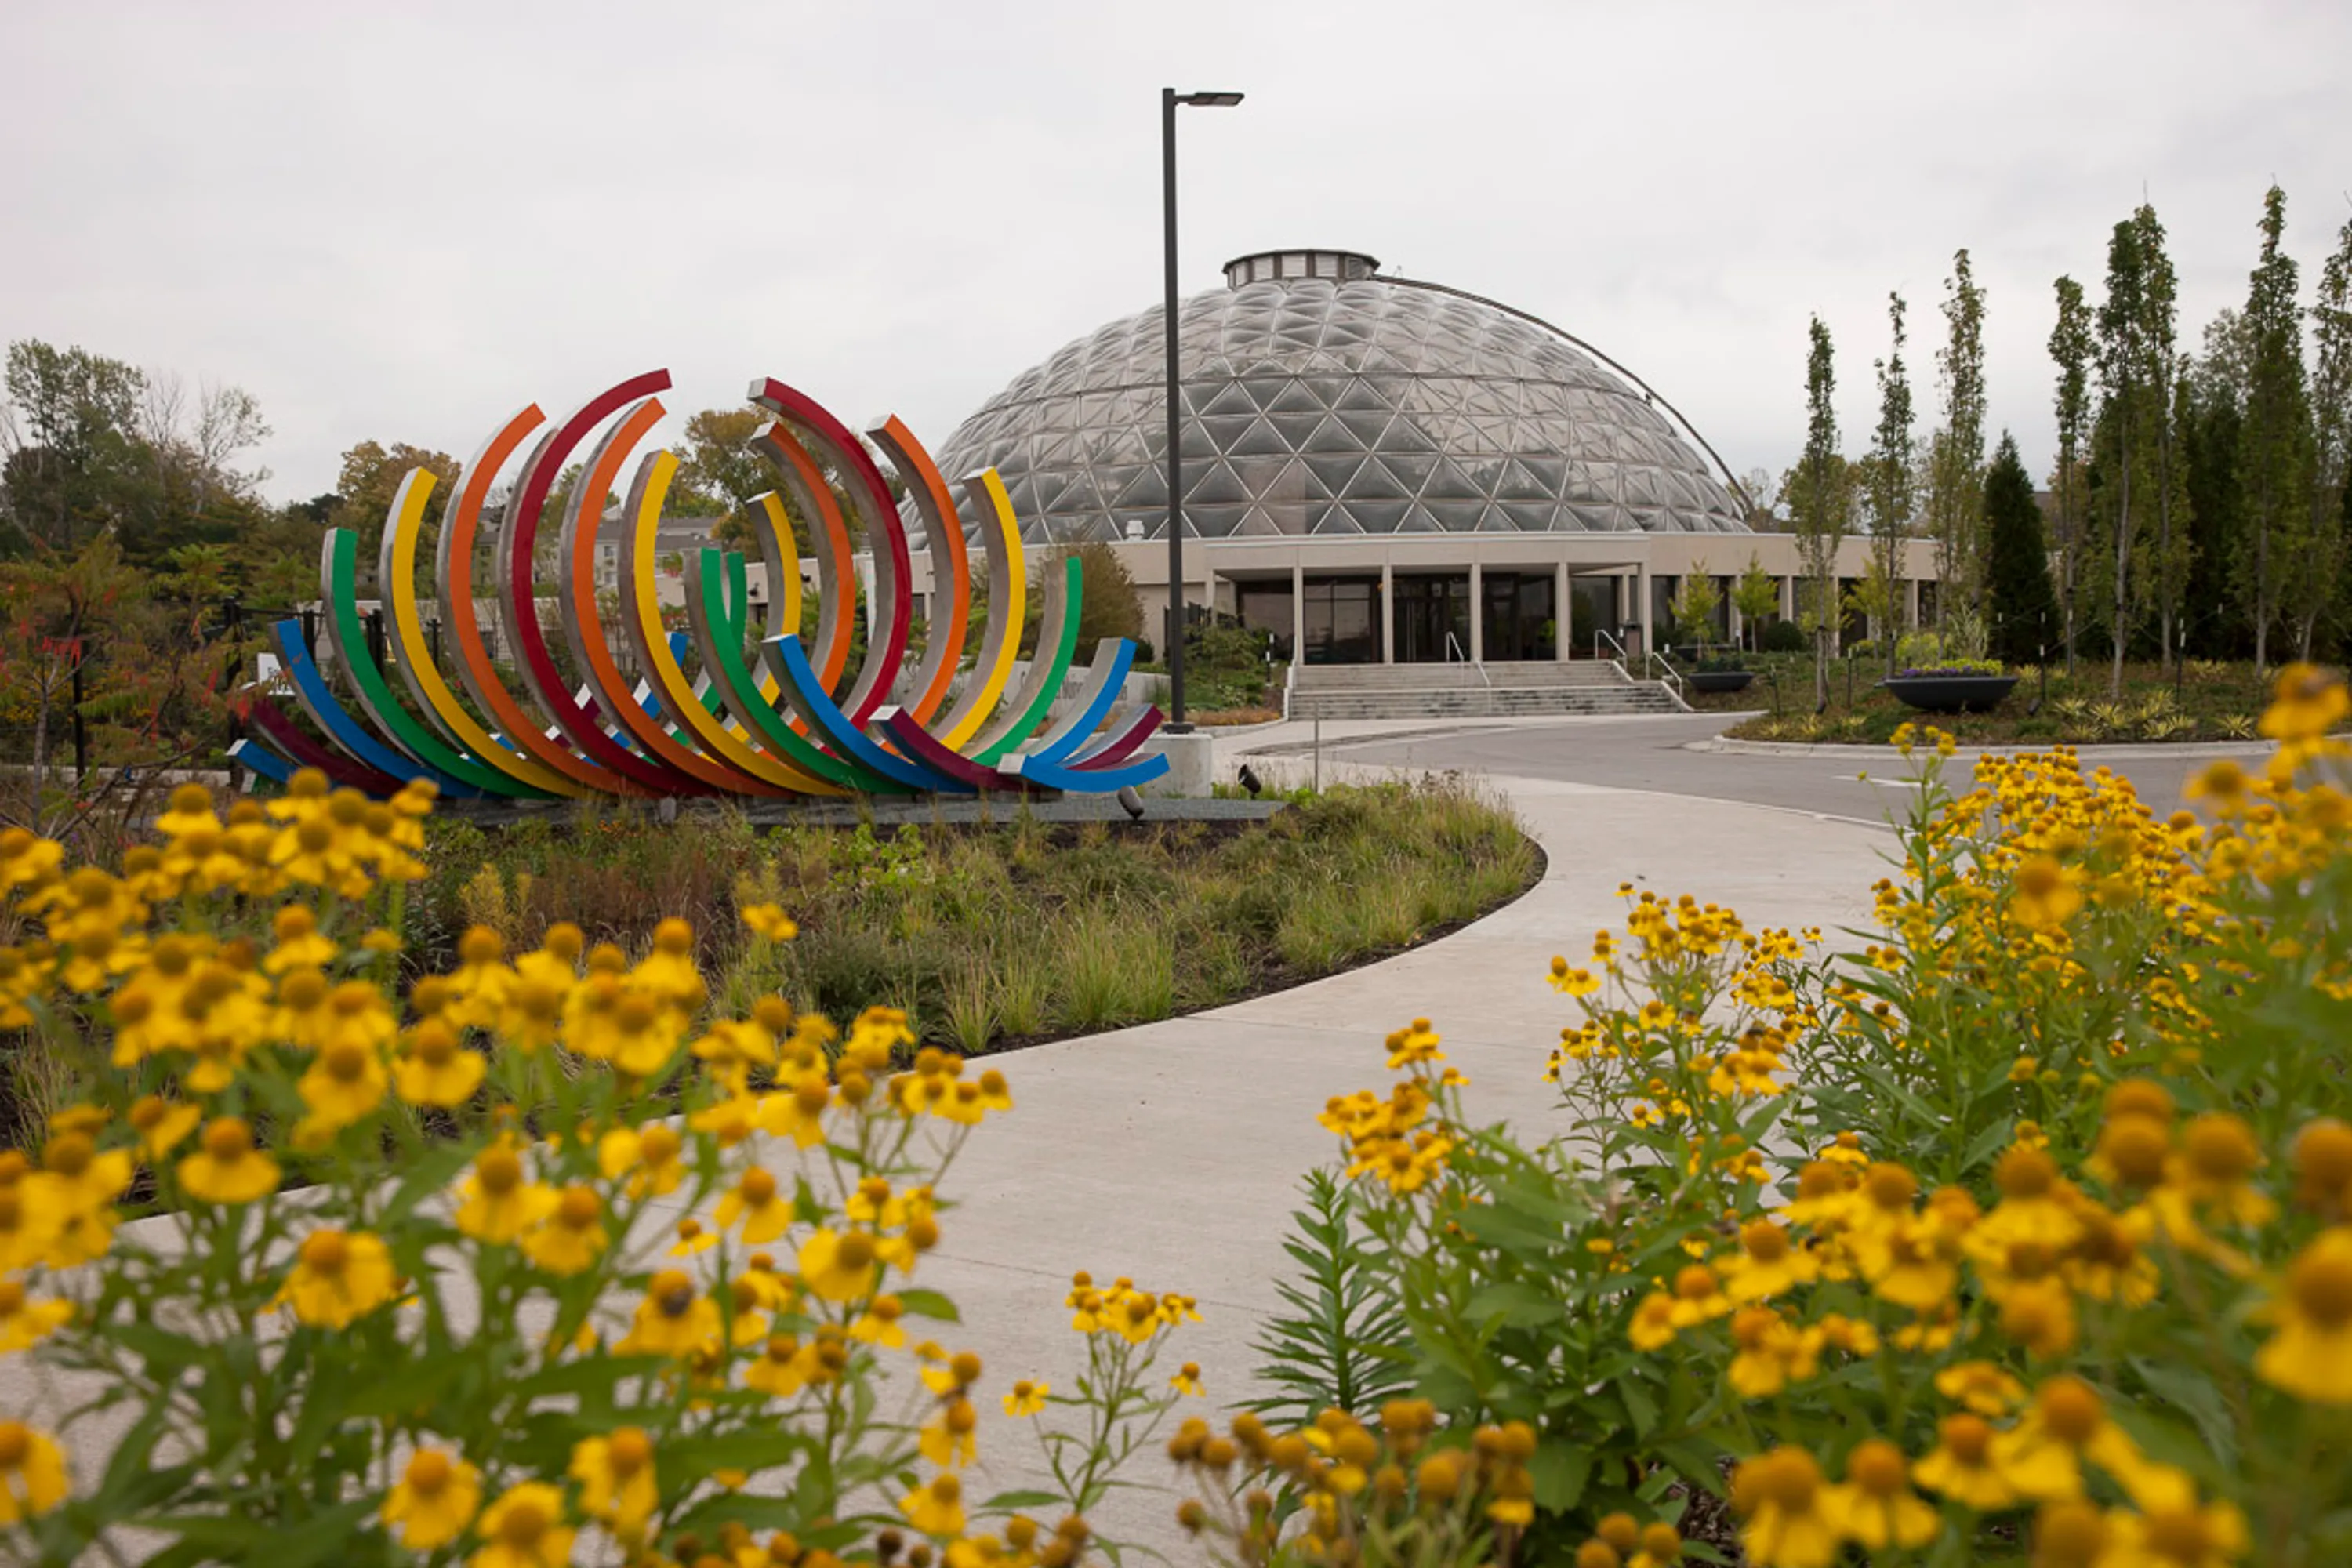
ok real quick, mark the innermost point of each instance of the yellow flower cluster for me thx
(1407, 1491)
(531, 1125)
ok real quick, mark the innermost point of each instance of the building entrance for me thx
(1521, 620)
(1432, 619)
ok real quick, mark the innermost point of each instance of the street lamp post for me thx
(1169, 99)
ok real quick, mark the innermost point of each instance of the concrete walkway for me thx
(1173, 1152)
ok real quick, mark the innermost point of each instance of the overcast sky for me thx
(404, 221)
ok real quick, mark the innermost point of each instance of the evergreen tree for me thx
(2017, 559)
(2211, 438)
(2070, 345)
(1955, 453)
(2276, 432)
(1817, 505)
(1889, 484)
(2320, 565)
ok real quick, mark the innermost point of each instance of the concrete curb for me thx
(2089, 753)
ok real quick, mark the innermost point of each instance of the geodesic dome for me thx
(1323, 399)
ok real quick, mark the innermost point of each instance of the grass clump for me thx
(994, 935)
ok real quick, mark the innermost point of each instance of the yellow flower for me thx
(32, 1473)
(2306, 704)
(769, 922)
(1770, 1352)
(1697, 1299)
(838, 1266)
(1652, 1327)
(480, 985)
(1027, 1398)
(799, 1115)
(339, 1276)
(1188, 1379)
(1960, 1466)
(616, 1479)
(24, 1321)
(1876, 1505)
(2041, 1457)
(1767, 1264)
(299, 944)
(880, 1325)
(2047, 893)
(673, 1319)
(225, 1168)
(2071, 1534)
(571, 1237)
(435, 1068)
(2310, 1354)
(946, 1439)
(648, 1155)
(497, 1203)
(937, 1509)
(434, 1500)
(1782, 1503)
(345, 1082)
(2181, 1535)
(524, 1529)
(162, 1124)
(82, 1180)
(1573, 982)
(1980, 1386)
(755, 1201)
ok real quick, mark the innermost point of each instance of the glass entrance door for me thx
(1520, 622)
(1429, 611)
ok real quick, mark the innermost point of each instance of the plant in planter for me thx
(1949, 672)
(1722, 672)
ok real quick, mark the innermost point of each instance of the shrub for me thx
(2025, 1227)
(543, 1250)
(1785, 636)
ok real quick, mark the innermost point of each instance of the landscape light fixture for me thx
(1130, 803)
(1169, 99)
(1250, 781)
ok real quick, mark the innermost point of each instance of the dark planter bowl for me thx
(1717, 682)
(1951, 693)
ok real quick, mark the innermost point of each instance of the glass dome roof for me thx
(1321, 399)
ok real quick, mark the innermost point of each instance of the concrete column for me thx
(1564, 617)
(1642, 594)
(1731, 620)
(1388, 613)
(1788, 598)
(1478, 614)
(1298, 615)
(1911, 602)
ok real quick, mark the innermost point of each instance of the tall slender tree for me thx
(1890, 489)
(2017, 558)
(1817, 506)
(2071, 346)
(2276, 431)
(1956, 452)
(2166, 561)
(2319, 567)
(2123, 376)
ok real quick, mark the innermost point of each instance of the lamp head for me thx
(1210, 99)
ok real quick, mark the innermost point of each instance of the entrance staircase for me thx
(1472, 690)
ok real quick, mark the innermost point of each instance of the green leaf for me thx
(1559, 1473)
(430, 1172)
(694, 1459)
(1639, 1405)
(1986, 1144)
(752, 1512)
(929, 1304)
(1019, 1499)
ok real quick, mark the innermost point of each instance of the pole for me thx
(1176, 721)
(80, 734)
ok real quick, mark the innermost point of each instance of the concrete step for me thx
(1632, 697)
(1452, 677)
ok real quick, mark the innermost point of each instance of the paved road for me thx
(1654, 753)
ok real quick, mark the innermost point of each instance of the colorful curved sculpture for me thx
(761, 715)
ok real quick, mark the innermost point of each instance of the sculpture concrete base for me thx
(1192, 764)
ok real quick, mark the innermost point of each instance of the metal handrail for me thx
(1673, 677)
(1600, 637)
